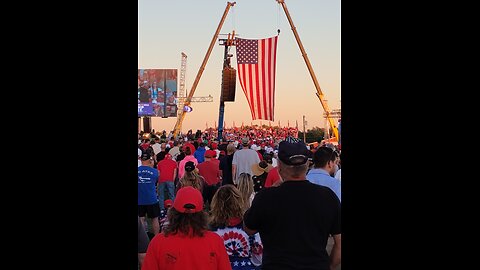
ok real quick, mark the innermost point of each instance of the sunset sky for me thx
(166, 28)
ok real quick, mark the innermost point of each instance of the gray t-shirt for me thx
(244, 159)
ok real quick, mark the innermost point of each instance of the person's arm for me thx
(249, 231)
(219, 174)
(335, 231)
(174, 174)
(143, 242)
(234, 171)
(336, 253)
(254, 217)
(158, 179)
(338, 191)
(234, 168)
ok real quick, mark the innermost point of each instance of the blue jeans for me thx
(161, 192)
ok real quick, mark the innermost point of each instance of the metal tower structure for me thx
(182, 95)
(183, 71)
(187, 102)
(334, 114)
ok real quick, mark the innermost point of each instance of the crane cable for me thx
(233, 24)
(278, 19)
(233, 18)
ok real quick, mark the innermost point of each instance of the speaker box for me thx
(147, 124)
(229, 79)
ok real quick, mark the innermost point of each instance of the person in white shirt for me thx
(338, 175)
(139, 155)
(157, 147)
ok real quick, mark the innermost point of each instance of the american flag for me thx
(256, 59)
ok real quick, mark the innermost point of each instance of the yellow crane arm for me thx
(180, 119)
(310, 69)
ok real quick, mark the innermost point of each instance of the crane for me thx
(181, 115)
(182, 95)
(335, 113)
(319, 92)
(310, 69)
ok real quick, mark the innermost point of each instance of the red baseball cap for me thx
(188, 200)
(168, 156)
(210, 153)
(214, 146)
(167, 203)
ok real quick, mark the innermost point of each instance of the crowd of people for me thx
(258, 135)
(260, 199)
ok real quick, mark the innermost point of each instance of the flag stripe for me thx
(267, 113)
(259, 99)
(267, 59)
(250, 86)
(260, 86)
(270, 44)
(269, 69)
(256, 60)
(241, 75)
(274, 64)
(269, 88)
(254, 90)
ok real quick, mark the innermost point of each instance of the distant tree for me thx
(315, 134)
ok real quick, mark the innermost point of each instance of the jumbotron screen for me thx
(157, 92)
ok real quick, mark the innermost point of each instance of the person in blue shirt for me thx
(323, 166)
(200, 153)
(147, 196)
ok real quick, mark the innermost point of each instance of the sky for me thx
(167, 28)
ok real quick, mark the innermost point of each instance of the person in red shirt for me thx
(272, 177)
(186, 243)
(168, 171)
(210, 170)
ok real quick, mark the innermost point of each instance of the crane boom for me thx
(208, 98)
(180, 119)
(310, 69)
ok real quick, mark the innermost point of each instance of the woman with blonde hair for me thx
(226, 220)
(191, 178)
(245, 186)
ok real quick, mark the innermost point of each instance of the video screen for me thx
(157, 92)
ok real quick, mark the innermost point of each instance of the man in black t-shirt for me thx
(296, 218)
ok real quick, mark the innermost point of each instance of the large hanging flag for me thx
(256, 60)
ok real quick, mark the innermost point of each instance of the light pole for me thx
(304, 123)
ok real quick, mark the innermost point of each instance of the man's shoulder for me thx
(171, 161)
(164, 162)
(268, 192)
(211, 234)
(325, 192)
(143, 168)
